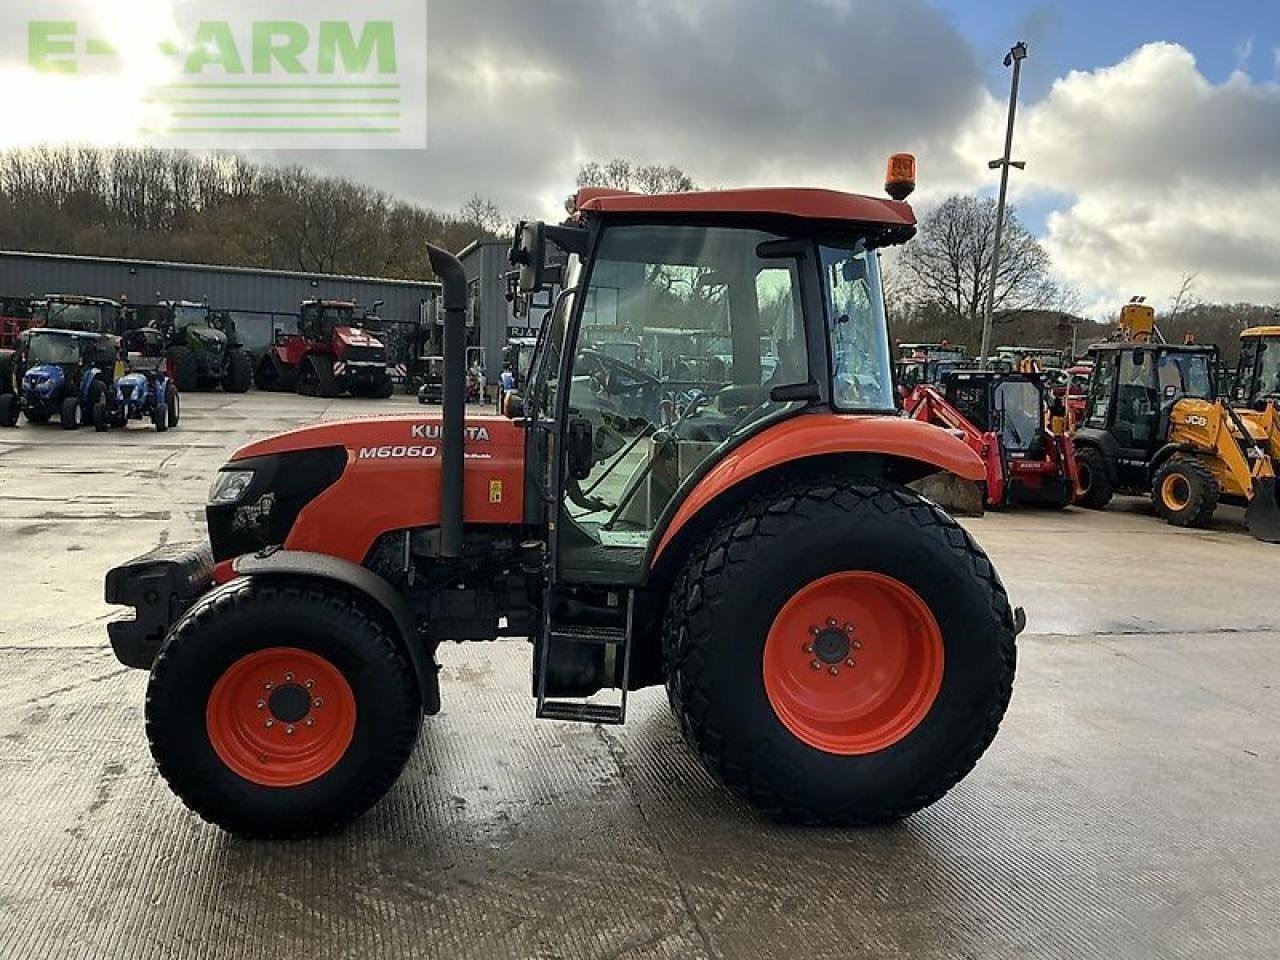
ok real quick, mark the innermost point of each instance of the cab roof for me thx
(805, 203)
(1262, 332)
(1152, 345)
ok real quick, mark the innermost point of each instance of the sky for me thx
(1151, 130)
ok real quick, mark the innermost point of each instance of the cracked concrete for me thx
(1126, 808)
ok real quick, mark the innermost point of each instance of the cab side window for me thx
(1100, 390)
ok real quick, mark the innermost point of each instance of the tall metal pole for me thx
(1015, 56)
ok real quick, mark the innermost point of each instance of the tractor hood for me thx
(356, 337)
(208, 336)
(386, 476)
(44, 380)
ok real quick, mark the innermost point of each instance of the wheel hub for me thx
(832, 645)
(289, 703)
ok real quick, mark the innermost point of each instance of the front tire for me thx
(1185, 492)
(1095, 483)
(8, 410)
(845, 575)
(69, 413)
(239, 372)
(228, 708)
(185, 367)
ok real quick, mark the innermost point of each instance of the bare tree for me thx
(484, 213)
(949, 263)
(621, 174)
(1184, 296)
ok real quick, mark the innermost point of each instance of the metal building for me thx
(262, 301)
(490, 319)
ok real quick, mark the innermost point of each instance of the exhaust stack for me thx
(453, 428)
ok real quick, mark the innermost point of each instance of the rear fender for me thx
(366, 583)
(899, 447)
(1164, 453)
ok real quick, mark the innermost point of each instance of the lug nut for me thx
(814, 631)
(261, 704)
(268, 685)
(289, 729)
(310, 684)
(317, 702)
(311, 722)
(270, 722)
(850, 663)
(288, 678)
(834, 671)
(831, 621)
(848, 628)
(816, 665)
(857, 644)
(808, 648)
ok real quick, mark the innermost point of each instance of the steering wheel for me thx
(611, 367)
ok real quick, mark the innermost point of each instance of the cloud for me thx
(735, 91)
(1168, 174)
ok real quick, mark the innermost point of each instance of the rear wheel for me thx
(8, 409)
(281, 709)
(69, 413)
(185, 367)
(1095, 484)
(173, 405)
(839, 652)
(1185, 492)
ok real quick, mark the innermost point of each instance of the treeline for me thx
(218, 208)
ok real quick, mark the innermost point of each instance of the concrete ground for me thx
(1127, 808)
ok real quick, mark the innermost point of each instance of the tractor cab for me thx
(69, 312)
(1257, 376)
(1013, 405)
(318, 319)
(780, 315)
(1133, 387)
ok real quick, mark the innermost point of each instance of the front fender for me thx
(363, 581)
(818, 435)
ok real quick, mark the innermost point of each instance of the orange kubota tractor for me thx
(836, 648)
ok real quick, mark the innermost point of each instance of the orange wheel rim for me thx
(1175, 491)
(853, 662)
(281, 717)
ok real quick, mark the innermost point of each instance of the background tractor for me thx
(60, 373)
(331, 354)
(1015, 423)
(200, 344)
(836, 648)
(144, 390)
(1153, 426)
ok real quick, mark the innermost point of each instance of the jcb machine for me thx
(331, 354)
(836, 648)
(1153, 426)
(1257, 380)
(1017, 426)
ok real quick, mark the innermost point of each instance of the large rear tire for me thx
(839, 652)
(268, 740)
(185, 367)
(1185, 492)
(1095, 483)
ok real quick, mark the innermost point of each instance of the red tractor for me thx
(835, 647)
(1015, 423)
(331, 354)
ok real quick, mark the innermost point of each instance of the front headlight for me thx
(229, 486)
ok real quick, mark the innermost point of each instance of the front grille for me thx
(366, 355)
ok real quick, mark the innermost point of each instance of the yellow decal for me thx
(495, 491)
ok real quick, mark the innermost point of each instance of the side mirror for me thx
(528, 252)
(580, 448)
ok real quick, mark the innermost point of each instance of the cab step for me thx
(584, 711)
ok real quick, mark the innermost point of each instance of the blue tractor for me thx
(145, 390)
(64, 374)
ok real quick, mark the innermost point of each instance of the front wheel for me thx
(839, 652)
(1095, 483)
(172, 405)
(69, 413)
(8, 409)
(281, 709)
